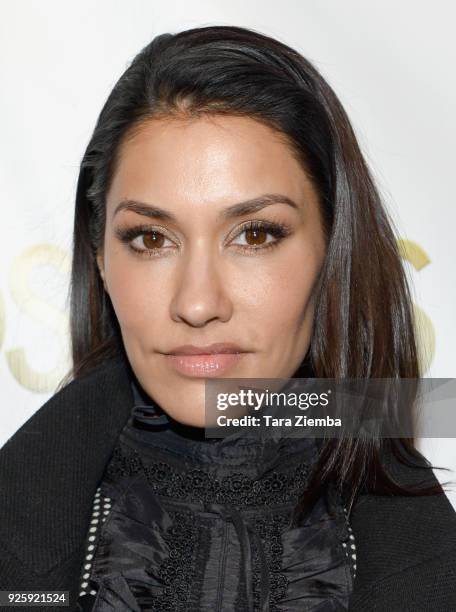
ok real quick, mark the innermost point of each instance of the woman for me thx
(226, 224)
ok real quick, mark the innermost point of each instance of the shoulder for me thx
(405, 545)
(78, 398)
(52, 464)
(426, 585)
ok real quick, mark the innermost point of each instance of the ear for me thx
(100, 265)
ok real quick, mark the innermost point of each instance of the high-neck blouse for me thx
(184, 523)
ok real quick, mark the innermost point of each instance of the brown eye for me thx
(153, 240)
(255, 237)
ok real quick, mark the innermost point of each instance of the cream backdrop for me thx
(389, 62)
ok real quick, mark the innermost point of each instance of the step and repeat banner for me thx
(389, 63)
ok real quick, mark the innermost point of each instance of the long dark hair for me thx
(364, 324)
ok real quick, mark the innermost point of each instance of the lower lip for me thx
(204, 365)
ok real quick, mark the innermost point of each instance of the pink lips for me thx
(205, 361)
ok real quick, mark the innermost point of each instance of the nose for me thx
(201, 289)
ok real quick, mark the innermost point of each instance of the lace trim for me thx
(176, 571)
(237, 489)
(270, 529)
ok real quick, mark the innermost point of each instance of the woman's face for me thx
(182, 265)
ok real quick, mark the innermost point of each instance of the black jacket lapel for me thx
(49, 471)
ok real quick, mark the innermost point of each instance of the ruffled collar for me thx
(150, 426)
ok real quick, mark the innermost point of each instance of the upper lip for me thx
(210, 349)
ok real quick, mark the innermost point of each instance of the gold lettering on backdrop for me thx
(418, 258)
(42, 312)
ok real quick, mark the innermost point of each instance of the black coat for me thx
(51, 467)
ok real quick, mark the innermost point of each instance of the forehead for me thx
(212, 160)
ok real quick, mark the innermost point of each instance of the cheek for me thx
(136, 293)
(283, 290)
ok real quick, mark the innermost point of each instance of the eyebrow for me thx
(235, 210)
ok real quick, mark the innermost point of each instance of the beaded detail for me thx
(100, 509)
(350, 547)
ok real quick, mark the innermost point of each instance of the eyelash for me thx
(278, 230)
